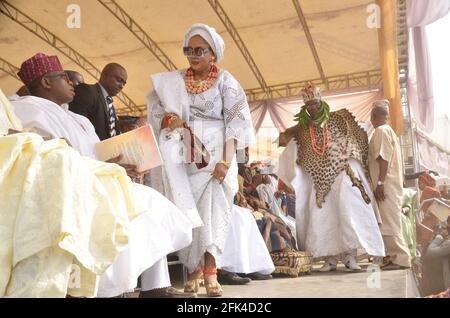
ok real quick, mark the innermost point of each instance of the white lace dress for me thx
(217, 115)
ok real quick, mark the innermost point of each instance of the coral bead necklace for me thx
(199, 86)
(312, 135)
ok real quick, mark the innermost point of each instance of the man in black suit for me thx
(95, 101)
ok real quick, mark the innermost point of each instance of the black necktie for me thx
(112, 117)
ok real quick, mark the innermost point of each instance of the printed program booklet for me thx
(440, 209)
(138, 147)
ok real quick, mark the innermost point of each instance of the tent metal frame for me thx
(311, 44)
(139, 33)
(365, 79)
(46, 35)
(368, 79)
(408, 140)
(9, 68)
(223, 16)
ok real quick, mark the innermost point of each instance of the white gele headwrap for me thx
(311, 92)
(210, 35)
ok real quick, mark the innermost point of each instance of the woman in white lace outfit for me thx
(213, 104)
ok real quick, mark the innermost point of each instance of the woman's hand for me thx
(172, 121)
(176, 122)
(220, 172)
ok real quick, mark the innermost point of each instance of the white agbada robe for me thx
(344, 223)
(245, 250)
(8, 120)
(217, 115)
(161, 230)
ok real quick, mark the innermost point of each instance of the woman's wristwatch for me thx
(380, 183)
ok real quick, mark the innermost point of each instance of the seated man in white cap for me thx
(385, 163)
(325, 161)
(55, 217)
(163, 228)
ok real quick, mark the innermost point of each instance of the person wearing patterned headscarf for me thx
(209, 103)
(325, 161)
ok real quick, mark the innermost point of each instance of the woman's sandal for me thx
(191, 286)
(212, 289)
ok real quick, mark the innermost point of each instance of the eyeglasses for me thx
(197, 51)
(60, 75)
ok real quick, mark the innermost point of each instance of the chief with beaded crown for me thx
(326, 141)
(336, 215)
(315, 110)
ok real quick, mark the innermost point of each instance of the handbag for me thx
(197, 152)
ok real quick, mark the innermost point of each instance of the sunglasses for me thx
(59, 75)
(197, 51)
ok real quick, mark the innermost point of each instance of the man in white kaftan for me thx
(56, 219)
(385, 164)
(160, 230)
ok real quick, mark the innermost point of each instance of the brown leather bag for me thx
(198, 153)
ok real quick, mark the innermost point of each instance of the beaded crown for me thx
(310, 92)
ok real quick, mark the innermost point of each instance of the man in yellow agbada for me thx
(54, 215)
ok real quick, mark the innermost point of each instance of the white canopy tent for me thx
(272, 47)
